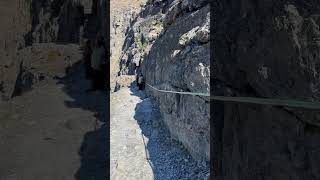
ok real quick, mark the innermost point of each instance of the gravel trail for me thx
(141, 147)
(56, 131)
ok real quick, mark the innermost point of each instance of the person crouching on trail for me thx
(141, 81)
(87, 59)
(97, 61)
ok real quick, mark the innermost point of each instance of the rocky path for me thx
(128, 154)
(141, 148)
(55, 131)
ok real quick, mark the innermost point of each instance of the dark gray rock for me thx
(171, 66)
(36, 21)
(266, 49)
(56, 21)
(24, 82)
(15, 20)
(170, 41)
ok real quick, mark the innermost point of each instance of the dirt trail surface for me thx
(141, 147)
(55, 131)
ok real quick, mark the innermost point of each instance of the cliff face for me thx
(56, 21)
(169, 40)
(122, 15)
(266, 49)
(26, 23)
(15, 18)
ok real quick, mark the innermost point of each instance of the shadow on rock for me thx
(167, 157)
(94, 150)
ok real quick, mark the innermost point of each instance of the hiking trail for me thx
(56, 130)
(141, 147)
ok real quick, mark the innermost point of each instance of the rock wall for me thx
(15, 17)
(56, 21)
(101, 12)
(122, 16)
(33, 21)
(169, 40)
(266, 49)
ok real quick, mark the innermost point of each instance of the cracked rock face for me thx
(271, 51)
(170, 40)
(15, 24)
(29, 22)
(122, 14)
(56, 20)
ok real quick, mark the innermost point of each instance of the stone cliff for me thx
(28, 23)
(16, 22)
(122, 15)
(266, 49)
(169, 41)
(55, 21)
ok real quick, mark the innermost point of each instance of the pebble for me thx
(169, 160)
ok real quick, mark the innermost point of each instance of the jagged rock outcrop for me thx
(266, 49)
(34, 21)
(26, 23)
(41, 62)
(169, 40)
(122, 16)
(102, 17)
(15, 18)
(56, 21)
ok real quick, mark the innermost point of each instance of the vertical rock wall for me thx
(122, 15)
(266, 49)
(15, 23)
(25, 22)
(169, 40)
(179, 60)
(56, 21)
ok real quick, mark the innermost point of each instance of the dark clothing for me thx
(138, 73)
(87, 55)
(88, 70)
(137, 80)
(105, 71)
(140, 82)
(98, 58)
(87, 62)
(98, 68)
(141, 86)
(97, 80)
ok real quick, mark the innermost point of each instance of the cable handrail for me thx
(252, 100)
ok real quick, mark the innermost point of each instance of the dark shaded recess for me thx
(2, 87)
(56, 7)
(71, 17)
(216, 129)
(129, 39)
(70, 20)
(34, 11)
(36, 6)
(24, 82)
(94, 7)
